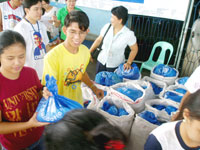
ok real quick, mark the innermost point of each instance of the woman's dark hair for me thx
(8, 38)
(29, 3)
(77, 16)
(121, 13)
(82, 129)
(46, 1)
(192, 103)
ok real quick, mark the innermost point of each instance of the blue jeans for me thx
(39, 145)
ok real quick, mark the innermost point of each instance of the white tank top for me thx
(10, 16)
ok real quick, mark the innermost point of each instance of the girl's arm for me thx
(10, 127)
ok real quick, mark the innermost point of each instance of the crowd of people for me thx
(26, 33)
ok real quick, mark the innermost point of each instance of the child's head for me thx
(78, 17)
(83, 129)
(12, 52)
(46, 1)
(192, 105)
(33, 9)
(17, 3)
(76, 28)
(70, 4)
(190, 112)
(121, 13)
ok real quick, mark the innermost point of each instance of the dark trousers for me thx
(100, 67)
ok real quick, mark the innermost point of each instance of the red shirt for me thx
(18, 101)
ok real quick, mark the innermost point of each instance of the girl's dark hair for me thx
(8, 38)
(29, 3)
(47, 1)
(121, 13)
(192, 103)
(77, 16)
(82, 129)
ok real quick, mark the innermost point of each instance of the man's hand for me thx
(98, 92)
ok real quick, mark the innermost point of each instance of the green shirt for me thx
(62, 13)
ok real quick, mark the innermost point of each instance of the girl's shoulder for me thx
(28, 71)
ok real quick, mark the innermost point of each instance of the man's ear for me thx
(64, 28)
(26, 10)
(88, 30)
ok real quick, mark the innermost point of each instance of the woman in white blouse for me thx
(115, 42)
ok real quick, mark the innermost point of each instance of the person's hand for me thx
(91, 59)
(127, 66)
(51, 21)
(46, 93)
(98, 92)
(54, 18)
(35, 123)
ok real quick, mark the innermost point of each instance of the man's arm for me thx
(98, 92)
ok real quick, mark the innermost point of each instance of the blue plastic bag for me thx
(149, 116)
(132, 93)
(169, 109)
(106, 106)
(113, 110)
(132, 74)
(122, 112)
(182, 80)
(173, 96)
(159, 107)
(156, 89)
(180, 90)
(55, 107)
(164, 71)
(107, 78)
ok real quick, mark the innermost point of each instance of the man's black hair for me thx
(79, 17)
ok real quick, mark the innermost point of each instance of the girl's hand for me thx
(46, 93)
(35, 123)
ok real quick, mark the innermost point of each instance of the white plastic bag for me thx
(123, 122)
(138, 104)
(139, 133)
(161, 114)
(158, 83)
(167, 80)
